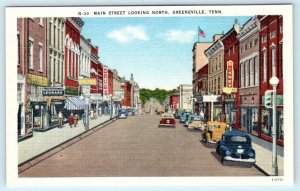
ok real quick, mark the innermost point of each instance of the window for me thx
(247, 73)
(264, 39)
(246, 47)
(256, 62)
(281, 29)
(272, 34)
(18, 36)
(265, 65)
(251, 44)
(274, 62)
(50, 33)
(40, 57)
(41, 21)
(30, 52)
(255, 42)
(251, 65)
(54, 36)
(241, 74)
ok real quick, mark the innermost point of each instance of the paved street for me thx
(137, 147)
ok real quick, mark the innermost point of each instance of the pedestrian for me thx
(71, 120)
(84, 120)
(60, 119)
(92, 114)
(75, 119)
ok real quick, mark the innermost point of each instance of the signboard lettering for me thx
(230, 74)
(105, 81)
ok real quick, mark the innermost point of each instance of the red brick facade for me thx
(271, 36)
(72, 55)
(126, 100)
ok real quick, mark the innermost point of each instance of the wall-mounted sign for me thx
(37, 80)
(53, 92)
(105, 81)
(230, 74)
(211, 98)
(87, 81)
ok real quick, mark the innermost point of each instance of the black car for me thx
(236, 146)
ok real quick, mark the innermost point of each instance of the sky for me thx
(156, 50)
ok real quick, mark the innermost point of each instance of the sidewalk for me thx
(42, 141)
(263, 151)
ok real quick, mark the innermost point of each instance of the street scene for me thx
(150, 96)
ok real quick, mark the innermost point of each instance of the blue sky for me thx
(157, 50)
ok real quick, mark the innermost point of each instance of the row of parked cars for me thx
(124, 113)
(229, 145)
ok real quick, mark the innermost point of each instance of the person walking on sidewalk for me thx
(75, 119)
(84, 120)
(71, 120)
(60, 119)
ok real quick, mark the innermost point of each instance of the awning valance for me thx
(74, 103)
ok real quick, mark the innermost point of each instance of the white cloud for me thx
(178, 36)
(128, 34)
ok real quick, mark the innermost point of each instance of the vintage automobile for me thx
(130, 111)
(167, 120)
(122, 114)
(184, 116)
(213, 131)
(236, 146)
(178, 113)
(196, 122)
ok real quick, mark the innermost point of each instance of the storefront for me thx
(249, 120)
(55, 102)
(74, 105)
(266, 121)
(39, 115)
(95, 103)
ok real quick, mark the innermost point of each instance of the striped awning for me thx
(74, 103)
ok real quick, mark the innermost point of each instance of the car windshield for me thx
(237, 139)
(122, 111)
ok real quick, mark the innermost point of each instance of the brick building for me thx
(271, 39)
(249, 76)
(230, 98)
(72, 55)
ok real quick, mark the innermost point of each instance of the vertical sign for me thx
(230, 74)
(105, 80)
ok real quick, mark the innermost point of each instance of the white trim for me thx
(249, 56)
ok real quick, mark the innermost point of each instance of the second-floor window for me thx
(265, 65)
(40, 57)
(30, 52)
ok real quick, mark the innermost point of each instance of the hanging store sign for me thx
(53, 92)
(211, 98)
(230, 74)
(87, 81)
(105, 81)
(37, 80)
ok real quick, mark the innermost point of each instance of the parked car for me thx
(184, 116)
(130, 112)
(213, 131)
(122, 114)
(236, 146)
(196, 122)
(178, 113)
(167, 120)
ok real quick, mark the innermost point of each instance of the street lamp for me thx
(274, 82)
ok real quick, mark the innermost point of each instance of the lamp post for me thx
(111, 106)
(274, 82)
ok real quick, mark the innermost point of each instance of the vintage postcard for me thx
(149, 95)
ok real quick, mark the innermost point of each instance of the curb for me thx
(261, 170)
(48, 153)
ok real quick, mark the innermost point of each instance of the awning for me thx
(74, 103)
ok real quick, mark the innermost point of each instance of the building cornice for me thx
(250, 28)
(216, 47)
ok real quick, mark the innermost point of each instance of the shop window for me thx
(280, 124)
(266, 122)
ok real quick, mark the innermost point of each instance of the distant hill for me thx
(158, 94)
